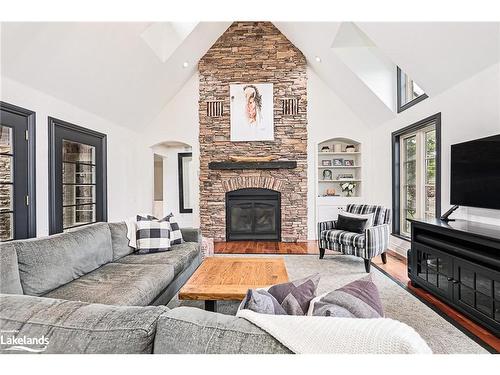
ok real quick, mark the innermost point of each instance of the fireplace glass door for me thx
(253, 214)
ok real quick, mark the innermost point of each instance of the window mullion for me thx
(402, 176)
(419, 180)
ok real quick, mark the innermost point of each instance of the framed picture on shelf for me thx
(326, 163)
(345, 177)
(327, 174)
(348, 162)
(338, 162)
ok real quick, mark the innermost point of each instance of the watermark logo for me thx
(12, 341)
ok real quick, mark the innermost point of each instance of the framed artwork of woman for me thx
(252, 116)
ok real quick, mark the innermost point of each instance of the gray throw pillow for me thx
(290, 298)
(359, 299)
(259, 300)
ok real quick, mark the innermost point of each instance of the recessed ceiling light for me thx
(318, 59)
(185, 64)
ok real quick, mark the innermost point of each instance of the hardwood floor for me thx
(395, 267)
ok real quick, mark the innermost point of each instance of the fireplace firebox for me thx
(253, 214)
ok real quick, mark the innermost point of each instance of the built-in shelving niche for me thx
(344, 157)
(328, 207)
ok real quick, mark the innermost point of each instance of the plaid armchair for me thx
(374, 241)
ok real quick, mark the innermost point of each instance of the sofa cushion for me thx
(10, 282)
(118, 284)
(344, 238)
(119, 240)
(76, 327)
(179, 256)
(195, 331)
(49, 262)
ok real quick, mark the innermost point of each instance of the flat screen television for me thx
(475, 173)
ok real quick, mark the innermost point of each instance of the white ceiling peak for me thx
(165, 37)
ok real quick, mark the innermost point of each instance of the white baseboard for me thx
(398, 245)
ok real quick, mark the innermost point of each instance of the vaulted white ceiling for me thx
(438, 55)
(106, 68)
(127, 72)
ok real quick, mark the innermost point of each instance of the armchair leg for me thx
(384, 258)
(321, 253)
(367, 265)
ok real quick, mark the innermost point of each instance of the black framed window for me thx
(416, 173)
(17, 173)
(409, 92)
(185, 160)
(77, 170)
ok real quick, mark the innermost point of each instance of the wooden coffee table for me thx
(228, 279)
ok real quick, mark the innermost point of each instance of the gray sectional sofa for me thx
(86, 291)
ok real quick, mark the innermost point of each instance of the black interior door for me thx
(17, 185)
(78, 176)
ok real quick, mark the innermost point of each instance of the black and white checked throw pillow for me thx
(152, 236)
(175, 230)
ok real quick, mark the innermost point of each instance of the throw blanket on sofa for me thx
(327, 335)
(131, 231)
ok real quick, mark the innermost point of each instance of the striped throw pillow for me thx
(359, 299)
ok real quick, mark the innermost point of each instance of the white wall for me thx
(329, 117)
(469, 110)
(178, 122)
(130, 162)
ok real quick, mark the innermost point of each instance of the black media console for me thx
(459, 262)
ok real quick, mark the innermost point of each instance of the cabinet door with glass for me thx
(433, 269)
(78, 176)
(477, 290)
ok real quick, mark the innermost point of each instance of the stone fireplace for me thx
(253, 52)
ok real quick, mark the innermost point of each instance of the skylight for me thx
(165, 37)
(360, 54)
(409, 92)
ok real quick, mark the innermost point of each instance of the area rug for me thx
(338, 270)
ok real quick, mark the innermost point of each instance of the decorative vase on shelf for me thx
(337, 147)
(348, 188)
(350, 148)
